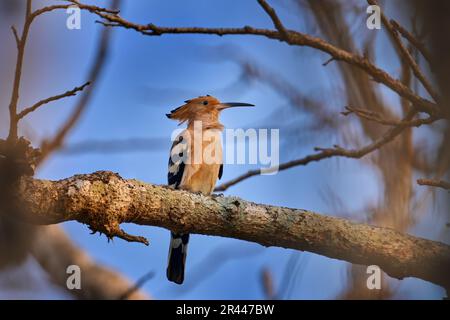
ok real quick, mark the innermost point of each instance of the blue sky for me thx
(147, 76)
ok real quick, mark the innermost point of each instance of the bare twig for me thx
(328, 61)
(115, 146)
(286, 90)
(69, 93)
(97, 67)
(54, 251)
(376, 117)
(434, 183)
(407, 56)
(413, 40)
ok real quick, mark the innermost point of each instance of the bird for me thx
(194, 166)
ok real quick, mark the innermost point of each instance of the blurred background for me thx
(124, 129)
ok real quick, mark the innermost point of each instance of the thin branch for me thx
(275, 19)
(69, 93)
(325, 153)
(21, 43)
(29, 7)
(295, 38)
(376, 117)
(407, 56)
(16, 36)
(434, 183)
(137, 286)
(291, 93)
(328, 61)
(103, 200)
(413, 40)
(90, 8)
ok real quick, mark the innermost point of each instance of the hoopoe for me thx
(195, 166)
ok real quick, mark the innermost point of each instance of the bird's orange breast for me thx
(203, 170)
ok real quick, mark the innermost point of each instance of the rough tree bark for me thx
(103, 200)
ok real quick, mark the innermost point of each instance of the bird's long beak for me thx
(226, 105)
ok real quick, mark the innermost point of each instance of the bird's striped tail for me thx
(177, 257)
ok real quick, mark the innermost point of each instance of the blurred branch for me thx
(288, 275)
(53, 249)
(69, 93)
(434, 183)
(376, 117)
(16, 36)
(413, 40)
(337, 151)
(96, 69)
(131, 292)
(21, 43)
(103, 200)
(406, 55)
(287, 91)
(90, 8)
(212, 262)
(267, 283)
(275, 19)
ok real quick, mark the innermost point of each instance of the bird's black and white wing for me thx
(177, 159)
(178, 241)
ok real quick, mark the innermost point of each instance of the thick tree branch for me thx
(103, 200)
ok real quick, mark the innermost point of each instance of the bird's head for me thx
(204, 108)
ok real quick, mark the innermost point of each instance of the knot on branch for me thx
(108, 198)
(112, 229)
(232, 207)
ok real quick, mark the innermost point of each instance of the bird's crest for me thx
(192, 107)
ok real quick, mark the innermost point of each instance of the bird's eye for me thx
(205, 103)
